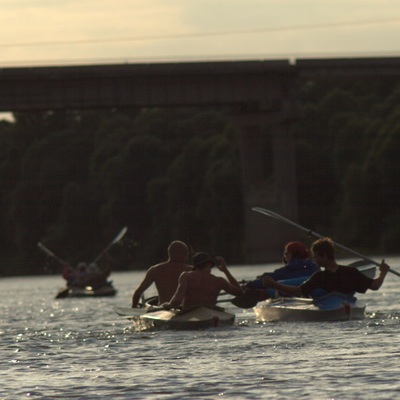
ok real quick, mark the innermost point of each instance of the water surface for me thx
(79, 348)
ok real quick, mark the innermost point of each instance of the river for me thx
(80, 349)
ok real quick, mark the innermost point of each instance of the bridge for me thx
(259, 96)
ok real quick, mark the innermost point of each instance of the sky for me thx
(71, 32)
(61, 32)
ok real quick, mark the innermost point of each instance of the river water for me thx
(80, 349)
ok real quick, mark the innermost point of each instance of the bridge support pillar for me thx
(268, 181)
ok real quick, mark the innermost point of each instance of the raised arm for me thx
(224, 268)
(377, 282)
(231, 286)
(146, 283)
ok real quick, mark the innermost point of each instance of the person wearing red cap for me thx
(334, 277)
(298, 266)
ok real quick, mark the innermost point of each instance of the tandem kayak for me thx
(87, 291)
(333, 307)
(201, 317)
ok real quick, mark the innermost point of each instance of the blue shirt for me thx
(295, 268)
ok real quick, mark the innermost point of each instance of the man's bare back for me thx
(166, 274)
(200, 287)
(196, 282)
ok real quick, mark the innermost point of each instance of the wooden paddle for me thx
(278, 217)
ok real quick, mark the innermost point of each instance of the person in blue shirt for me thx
(298, 266)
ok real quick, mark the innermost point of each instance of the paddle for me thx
(117, 238)
(248, 299)
(50, 253)
(65, 292)
(130, 312)
(135, 312)
(278, 217)
(62, 294)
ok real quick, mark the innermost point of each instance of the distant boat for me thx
(87, 291)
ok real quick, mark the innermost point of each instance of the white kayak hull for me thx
(304, 310)
(202, 317)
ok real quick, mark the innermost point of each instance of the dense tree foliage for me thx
(348, 173)
(73, 179)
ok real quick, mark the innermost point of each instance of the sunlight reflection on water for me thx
(78, 348)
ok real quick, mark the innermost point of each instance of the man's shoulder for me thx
(168, 266)
(159, 265)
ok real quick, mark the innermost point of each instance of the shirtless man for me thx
(166, 274)
(200, 287)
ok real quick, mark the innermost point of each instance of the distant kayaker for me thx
(75, 277)
(297, 264)
(200, 287)
(96, 277)
(166, 274)
(335, 277)
(88, 275)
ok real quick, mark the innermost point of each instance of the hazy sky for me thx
(52, 32)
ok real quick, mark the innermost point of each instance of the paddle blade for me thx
(120, 235)
(63, 294)
(130, 312)
(249, 299)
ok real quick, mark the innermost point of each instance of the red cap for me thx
(297, 250)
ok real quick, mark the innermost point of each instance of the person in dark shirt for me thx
(335, 277)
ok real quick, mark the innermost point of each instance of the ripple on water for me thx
(81, 349)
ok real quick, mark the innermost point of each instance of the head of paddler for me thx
(202, 260)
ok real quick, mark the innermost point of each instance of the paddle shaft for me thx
(117, 238)
(50, 253)
(278, 217)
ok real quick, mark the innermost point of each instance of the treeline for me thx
(73, 179)
(348, 145)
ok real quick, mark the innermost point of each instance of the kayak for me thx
(87, 291)
(333, 307)
(201, 317)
